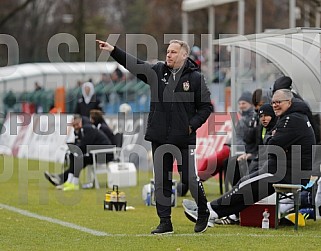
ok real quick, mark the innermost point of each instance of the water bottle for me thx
(148, 199)
(265, 220)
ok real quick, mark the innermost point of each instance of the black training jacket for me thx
(294, 133)
(176, 103)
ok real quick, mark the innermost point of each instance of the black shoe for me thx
(191, 218)
(53, 178)
(201, 223)
(165, 227)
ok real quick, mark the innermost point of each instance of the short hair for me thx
(182, 43)
(77, 117)
(286, 92)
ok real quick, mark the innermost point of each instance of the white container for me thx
(174, 193)
(266, 220)
(121, 174)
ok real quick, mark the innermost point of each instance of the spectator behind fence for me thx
(245, 151)
(86, 136)
(180, 105)
(88, 101)
(9, 102)
(292, 165)
(37, 98)
(117, 75)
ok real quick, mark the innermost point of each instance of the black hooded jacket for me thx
(176, 102)
(294, 133)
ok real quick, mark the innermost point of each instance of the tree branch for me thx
(14, 12)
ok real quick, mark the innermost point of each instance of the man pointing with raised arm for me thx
(180, 104)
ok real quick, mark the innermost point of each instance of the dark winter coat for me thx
(84, 109)
(295, 135)
(242, 129)
(102, 126)
(176, 103)
(90, 136)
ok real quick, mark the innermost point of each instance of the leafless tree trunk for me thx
(11, 14)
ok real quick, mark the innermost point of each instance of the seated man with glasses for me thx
(289, 160)
(285, 82)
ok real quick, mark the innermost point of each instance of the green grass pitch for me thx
(36, 216)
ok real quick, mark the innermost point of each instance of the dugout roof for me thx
(295, 52)
(50, 75)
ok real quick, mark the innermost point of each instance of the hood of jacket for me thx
(87, 97)
(298, 106)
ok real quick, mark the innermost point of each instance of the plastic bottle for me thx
(122, 197)
(148, 199)
(113, 196)
(265, 220)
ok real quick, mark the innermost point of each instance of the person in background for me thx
(245, 151)
(86, 136)
(88, 101)
(180, 104)
(117, 75)
(260, 97)
(97, 119)
(262, 133)
(37, 87)
(9, 102)
(285, 82)
(247, 113)
(37, 98)
(293, 129)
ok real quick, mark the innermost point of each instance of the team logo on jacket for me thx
(186, 86)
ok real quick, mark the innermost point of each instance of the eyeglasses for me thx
(278, 102)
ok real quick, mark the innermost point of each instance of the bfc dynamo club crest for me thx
(186, 86)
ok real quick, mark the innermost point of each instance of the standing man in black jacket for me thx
(180, 104)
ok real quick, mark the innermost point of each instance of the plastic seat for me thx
(102, 167)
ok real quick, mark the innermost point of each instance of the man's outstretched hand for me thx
(105, 46)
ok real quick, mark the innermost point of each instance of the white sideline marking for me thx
(99, 233)
(52, 220)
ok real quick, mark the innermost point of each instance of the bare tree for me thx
(14, 12)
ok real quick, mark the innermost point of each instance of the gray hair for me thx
(286, 93)
(77, 117)
(182, 43)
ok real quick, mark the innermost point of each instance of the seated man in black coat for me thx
(87, 137)
(290, 158)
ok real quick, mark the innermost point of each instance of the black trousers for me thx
(163, 157)
(251, 189)
(78, 162)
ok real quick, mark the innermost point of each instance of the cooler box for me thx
(121, 174)
(252, 216)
